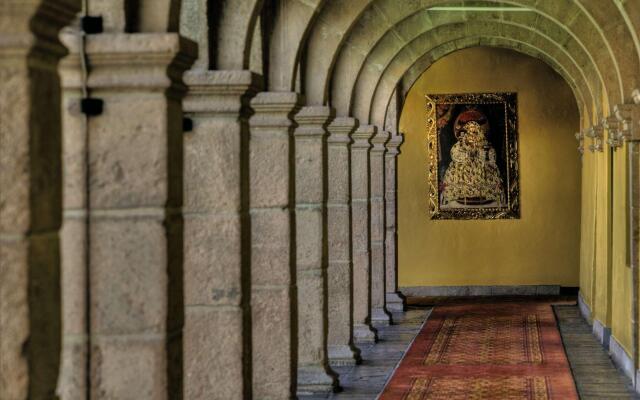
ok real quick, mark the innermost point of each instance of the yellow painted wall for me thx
(543, 246)
(621, 273)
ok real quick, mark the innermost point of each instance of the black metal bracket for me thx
(91, 107)
(91, 25)
(187, 124)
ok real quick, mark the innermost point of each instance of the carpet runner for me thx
(485, 351)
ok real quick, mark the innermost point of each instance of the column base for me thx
(343, 355)
(315, 380)
(380, 317)
(395, 302)
(363, 333)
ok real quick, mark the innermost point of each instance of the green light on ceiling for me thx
(481, 9)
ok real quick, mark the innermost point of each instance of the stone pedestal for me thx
(340, 270)
(273, 296)
(314, 375)
(360, 234)
(379, 313)
(135, 172)
(217, 334)
(30, 196)
(394, 300)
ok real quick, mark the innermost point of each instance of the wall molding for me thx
(584, 309)
(620, 358)
(602, 333)
(515, 290)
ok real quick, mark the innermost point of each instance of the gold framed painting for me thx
(472, 144)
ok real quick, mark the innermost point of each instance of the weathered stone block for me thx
(269, 176)
(213, 255)
(14, 318)
(121, 175)
(361, 286)
(212, 165)
(309, 170)
(377, 177)
(72, 383)
(74, 275)
(338, 174)
(359, 175)
(129, 367)
(309, 237)
(360, 226)
(128, 275)
(271, 356)
(213, 346)
(339, 232)
(339, 302)
(377, 219)
(270, 247)
(310, 318)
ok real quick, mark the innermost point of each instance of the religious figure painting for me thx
(473, 156)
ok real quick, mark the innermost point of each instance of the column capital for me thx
(362, 136)
(616, 135)
(139, 61)
(312, 121)
(379, 141)
(23, 23)
(628, 116)
(274, 110)
(580, 138)
(595, 132)
(393, 145)
(340, 130)
(219, 92)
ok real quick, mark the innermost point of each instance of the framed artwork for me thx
(473, 156)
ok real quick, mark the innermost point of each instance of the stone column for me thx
(395, 302)
(360, 231)
(273, 296)
(30, 196)
(135, 196)
(217, 332)
(72, 383)
(379, 313)
(314, 375)
(340, 270)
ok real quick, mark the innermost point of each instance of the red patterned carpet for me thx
(485, 351)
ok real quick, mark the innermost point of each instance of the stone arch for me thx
(383, 95)
(293, 22)
(630, 12)
(585, 92)
(234, 33)
(363, 38)
(370, 75)
(328, 35)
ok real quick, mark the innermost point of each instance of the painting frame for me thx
(508, 206)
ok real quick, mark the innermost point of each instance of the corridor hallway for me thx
(491, 367)
(232, 199)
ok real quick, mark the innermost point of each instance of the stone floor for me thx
(366, 381)
(593, 371)
(595, 375)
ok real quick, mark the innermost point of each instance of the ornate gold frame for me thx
(512, 209)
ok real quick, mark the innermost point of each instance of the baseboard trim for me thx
(602, 333)
(515, 290)
(584, 309)
(620, 358)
